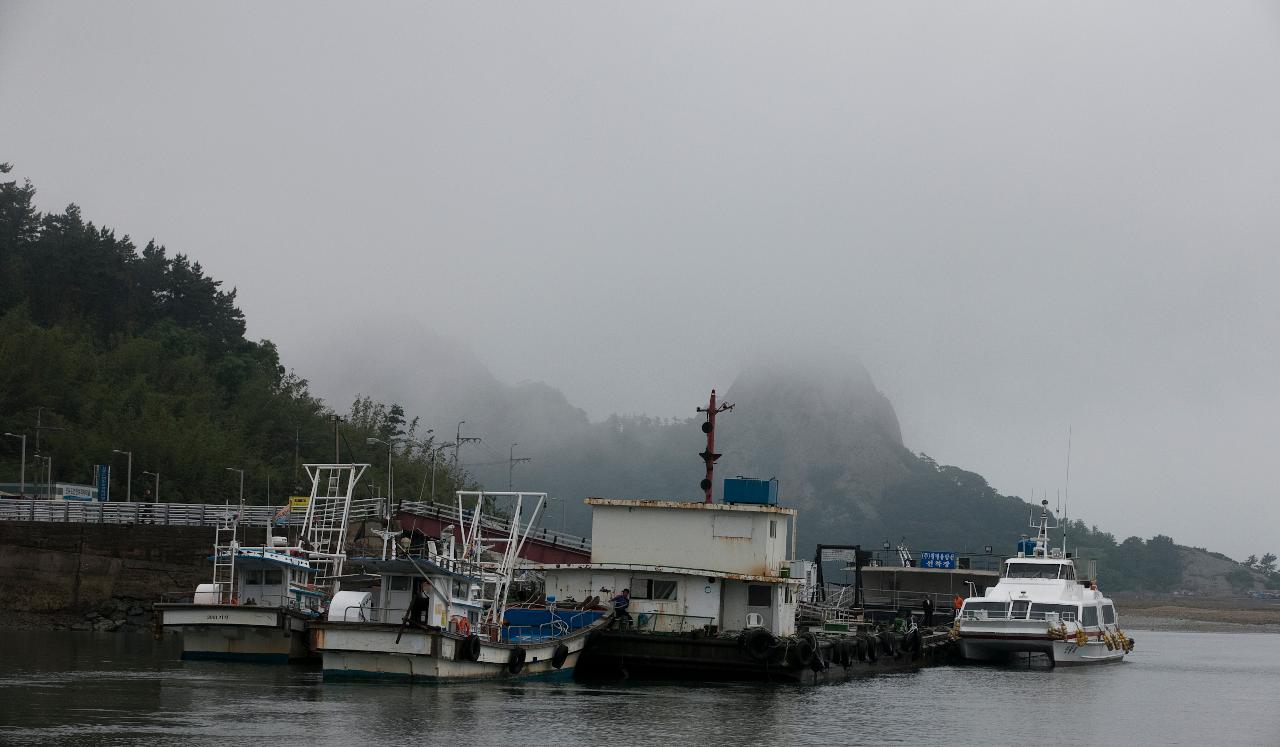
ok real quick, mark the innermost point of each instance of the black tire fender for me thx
(515, 662)
(561, 654)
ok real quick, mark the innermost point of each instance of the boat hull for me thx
(370, 651)
(639, 655)
(225, 632)
(994, 648)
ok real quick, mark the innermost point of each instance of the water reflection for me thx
(97, 689)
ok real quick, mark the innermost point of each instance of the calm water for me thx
(106, 689)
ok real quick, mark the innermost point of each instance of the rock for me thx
(108, 607)
(91, 616)
(82, 626)
(135, 611)
(118, 615)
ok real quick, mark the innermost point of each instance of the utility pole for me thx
(337, 454)
(128, 489)
(435, 456)
(710, 456)
(458, 441)
(512, 461)
(22, 469)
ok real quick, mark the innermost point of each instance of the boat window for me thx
(1089, 617)
(1063, 611)
(273, 578)
(773, 528)
(1069, 572)
(459, 589)
(651, 588)
(759, 596)
(1019, 611)
(398, 583)
(253, 578)
(1032, 570)
(1108, 614)
(972, 606)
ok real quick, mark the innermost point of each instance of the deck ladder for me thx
(324, 530)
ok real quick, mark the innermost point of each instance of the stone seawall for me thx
(53, 567)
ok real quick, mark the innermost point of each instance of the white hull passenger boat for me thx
(1040, 607)
(442, 613)
(262, 599)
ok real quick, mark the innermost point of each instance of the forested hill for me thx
(143, 352)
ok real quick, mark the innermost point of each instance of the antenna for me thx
(1066, 490)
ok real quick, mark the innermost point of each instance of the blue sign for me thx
(937, 560)
(103, 472)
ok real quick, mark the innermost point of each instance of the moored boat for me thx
(1041, 606)
(261, 599)
(443, 614)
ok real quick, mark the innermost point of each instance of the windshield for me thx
(1033, 570)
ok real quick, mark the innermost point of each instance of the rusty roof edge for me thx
(666, 569)
(690, 505)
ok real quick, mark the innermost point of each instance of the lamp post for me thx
(371, 441)
(233, 469)
(128, 485)
(157, 476)
(22, 470)
(48, 483)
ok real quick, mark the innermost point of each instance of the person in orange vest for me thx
(957, 603)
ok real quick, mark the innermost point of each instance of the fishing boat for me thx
(443, 613)
(1041, 606)
(262, 598)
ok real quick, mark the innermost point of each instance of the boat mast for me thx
(710, 456)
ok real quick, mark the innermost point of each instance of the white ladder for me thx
(324, 529)
(225, 547)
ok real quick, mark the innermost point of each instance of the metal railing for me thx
(495, 524)
(167, 514)
(1005, 615)
(664, 622)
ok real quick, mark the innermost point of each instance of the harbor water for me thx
(61, 688)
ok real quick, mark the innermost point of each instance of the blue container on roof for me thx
(748, 490)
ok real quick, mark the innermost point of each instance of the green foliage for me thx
(143, 352)
(1240, 579)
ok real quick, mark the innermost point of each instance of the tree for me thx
(1268, 562)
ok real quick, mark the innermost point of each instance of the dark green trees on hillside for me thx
(144, 352)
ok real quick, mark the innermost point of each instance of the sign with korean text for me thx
(104, 481)
(935, 559)
(299, 502)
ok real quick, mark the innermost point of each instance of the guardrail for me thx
(494, 524)
(167, 514)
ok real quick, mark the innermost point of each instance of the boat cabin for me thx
(688, 566)
(268, 577)
(444, 598)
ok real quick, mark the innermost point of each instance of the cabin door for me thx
(760, 601)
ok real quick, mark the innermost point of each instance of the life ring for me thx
(515, 662)
(471, 648)
(561, 654)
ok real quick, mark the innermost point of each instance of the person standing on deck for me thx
(620, 605)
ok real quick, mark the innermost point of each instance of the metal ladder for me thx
(225, 547)
(324, 529)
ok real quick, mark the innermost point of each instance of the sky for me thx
(1025, 218)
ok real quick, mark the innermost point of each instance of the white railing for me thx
(169, 514)
(496, 525)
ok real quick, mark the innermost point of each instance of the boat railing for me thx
(163, 514)
(531, 633)
(665, 622)
(493, 524)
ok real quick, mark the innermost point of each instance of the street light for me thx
(48, 484)
(128, 486)
(157, 476)
(371, 441)
(22, 471)
(233, 469)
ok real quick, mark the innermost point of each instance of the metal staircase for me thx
(324, 529)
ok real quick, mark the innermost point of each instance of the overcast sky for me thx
(1021, 216)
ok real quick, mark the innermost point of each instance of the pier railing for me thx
(168, 514)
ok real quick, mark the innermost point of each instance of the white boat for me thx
(1041, 606)
(261, 599)
(442, 614)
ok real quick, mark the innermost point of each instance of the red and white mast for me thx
(710, 456)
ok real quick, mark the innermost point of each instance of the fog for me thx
(1023, 218)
